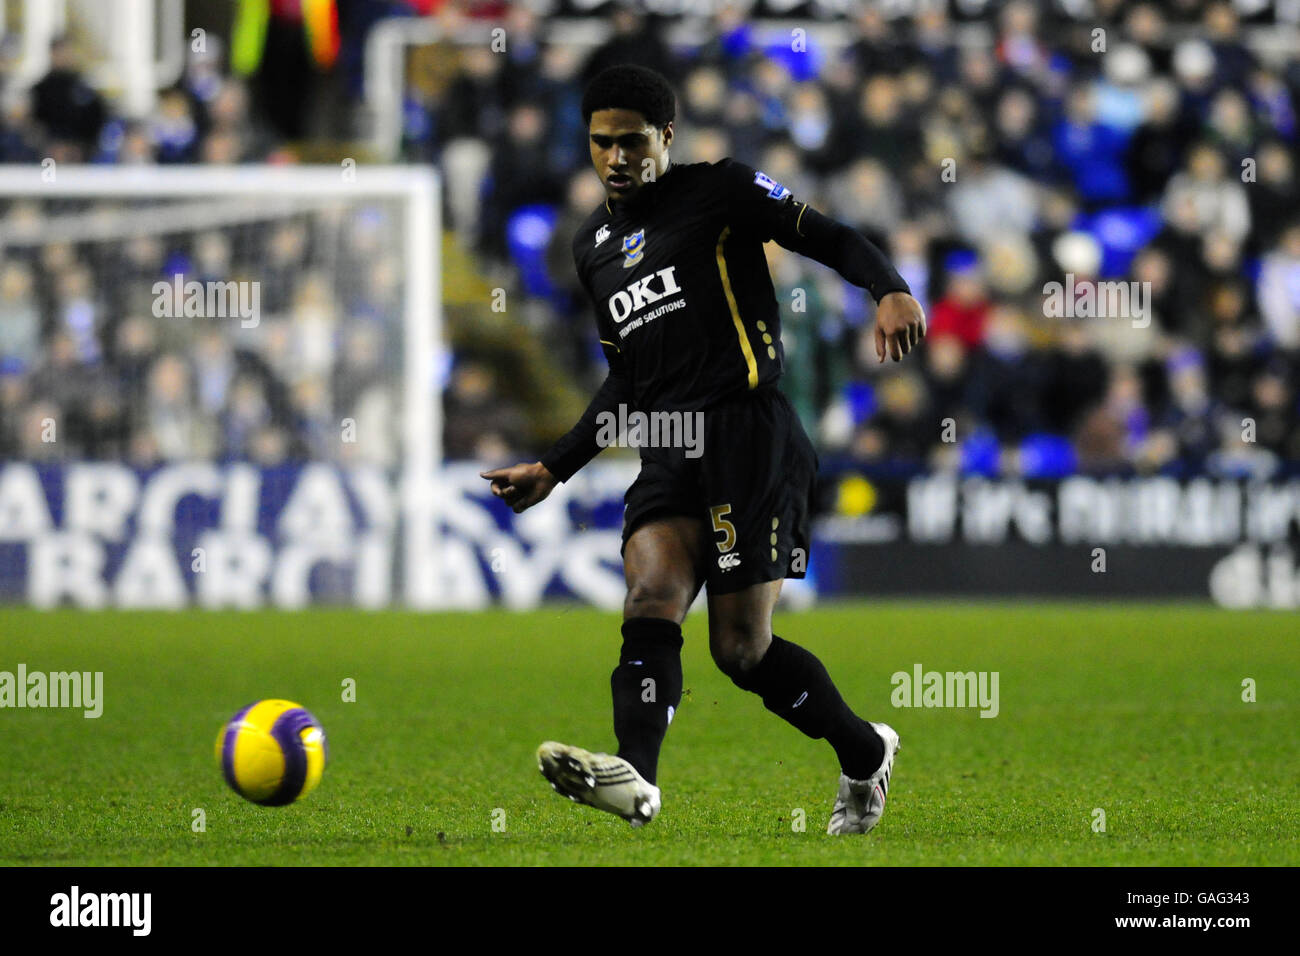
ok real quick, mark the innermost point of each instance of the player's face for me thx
(627, 151)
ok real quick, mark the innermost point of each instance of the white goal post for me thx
(246, 197)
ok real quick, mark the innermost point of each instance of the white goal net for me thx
(218, 386)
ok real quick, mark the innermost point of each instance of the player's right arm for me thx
(524, 485)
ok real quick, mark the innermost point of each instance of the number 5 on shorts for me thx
(723, 526)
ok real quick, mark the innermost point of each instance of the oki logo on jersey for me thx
(642, 293)
(633, 248)
(774, 189)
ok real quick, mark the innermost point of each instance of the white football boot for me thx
(860, 803)
(603, 781)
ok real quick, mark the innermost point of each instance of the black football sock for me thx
(647, 688)
(795, 686)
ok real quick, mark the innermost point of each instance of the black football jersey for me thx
(684, 302)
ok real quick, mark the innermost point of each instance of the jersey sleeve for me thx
(759, 203)
(769, 210)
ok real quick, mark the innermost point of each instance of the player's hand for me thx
(521, 486)
(900, 325)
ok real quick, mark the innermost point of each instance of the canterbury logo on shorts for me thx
(728, 561)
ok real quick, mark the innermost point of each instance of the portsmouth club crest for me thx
(633, 248)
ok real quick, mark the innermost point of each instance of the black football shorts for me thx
(752, 482)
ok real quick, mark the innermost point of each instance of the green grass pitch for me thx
(1136, 710)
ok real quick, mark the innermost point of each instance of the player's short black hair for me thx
(628, 87)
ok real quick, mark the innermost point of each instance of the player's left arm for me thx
(900, 320)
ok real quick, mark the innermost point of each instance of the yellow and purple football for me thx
(272, 752)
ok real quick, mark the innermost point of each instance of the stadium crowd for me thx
(1160, 151)
(1159, 154)
(92, 367)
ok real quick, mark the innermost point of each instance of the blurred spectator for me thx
(1272, 103)
(1074, 379)
(1111, 437)
(706, 144)
(473, 105)
(988, 200)
(866, 197)
(1233, 61)
(286, 249)
(901, 429)
(177, 428)
(65, 104)
(555, 89)
(812, 129)
(1023, 144)
(1217, 201)
(1092, 151)
(877, 49)
(1156, 150)
(1232, 347)
(480, 424)
(1232, 129)
(908, 254)
(18, 135)
(637, 39)
(964, 308)
(1118, 92)
(1153, 269)
(1193, 420)
(78, 312)
(704, 96)
(1274, 197)
(1272, 406)
(1007, 377)
(1018, 44)
(520, 174)
(880, 129)
(1279, 290)
(936, 53)
(174, 133)
(1146, 26)
(946, 372)
(981, 79)
(245, 413)
(20, 320)
(522, 70)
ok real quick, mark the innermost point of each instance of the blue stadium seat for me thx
(1044, 455)
(1121, 232)
(528, 232)
(803, 65)
(980, 453)
(861, 398)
